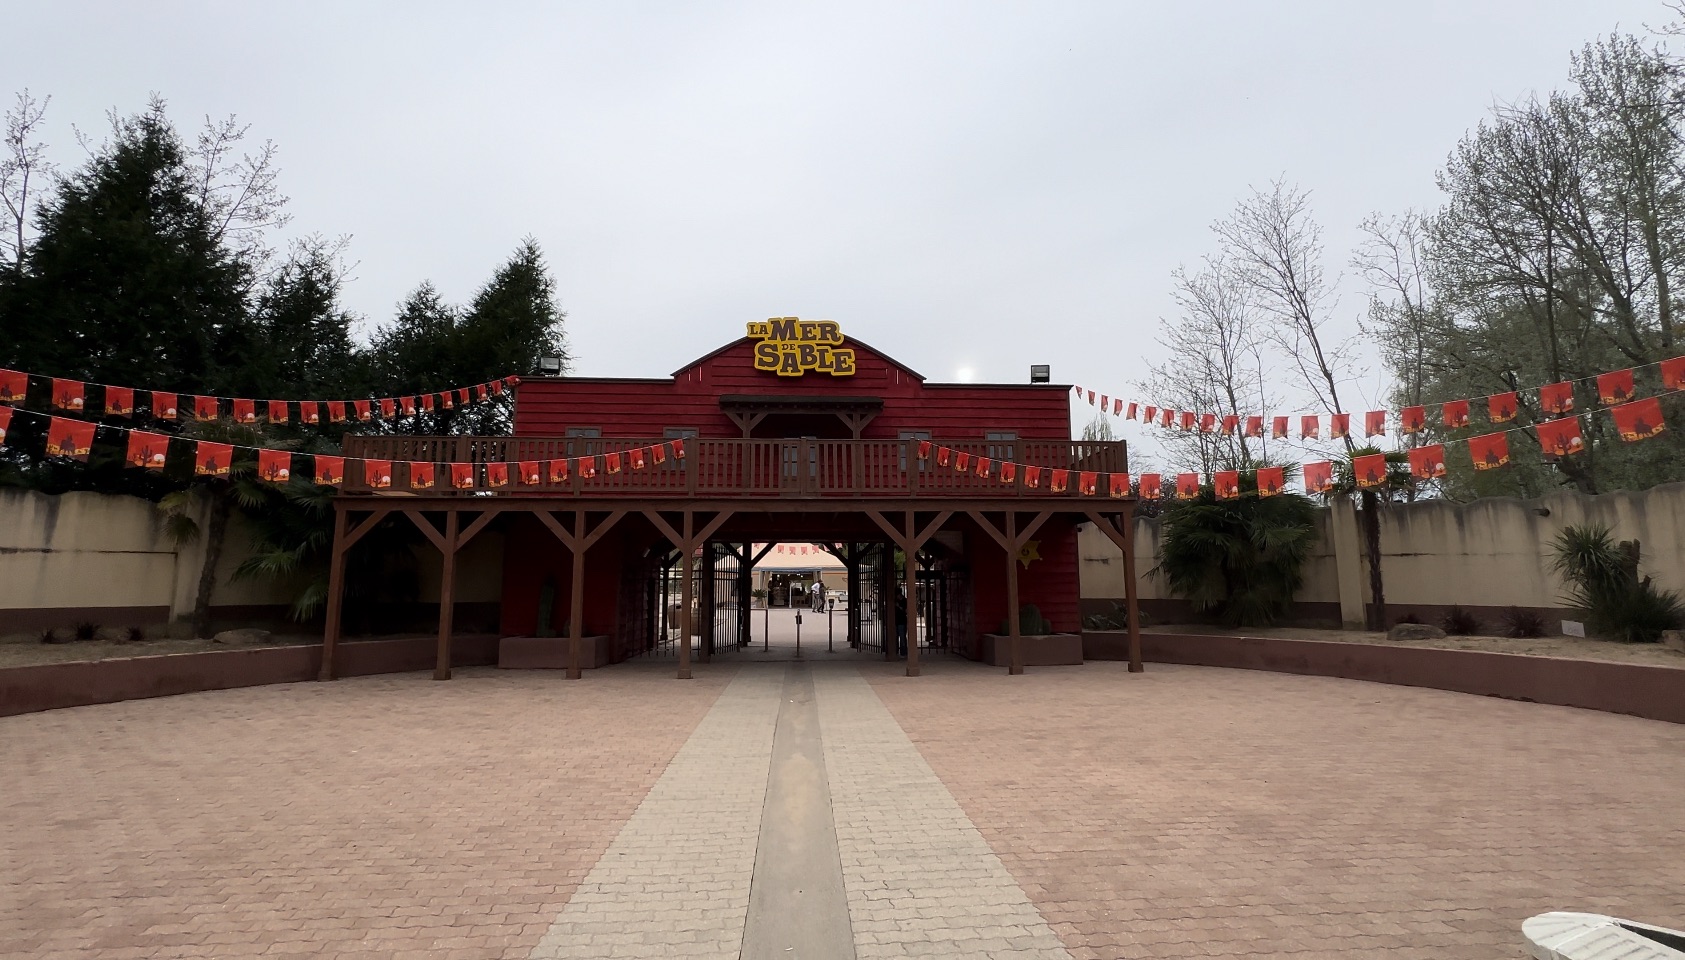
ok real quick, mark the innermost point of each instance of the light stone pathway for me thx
(675, 882)
(921, 880)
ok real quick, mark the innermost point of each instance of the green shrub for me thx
(1460, 623)
(1523, 623)
(1238, 561)
(1030, 622)
(1604, 586)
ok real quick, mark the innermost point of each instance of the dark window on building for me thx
(678, 433)
(1002, 446)
(579, 441)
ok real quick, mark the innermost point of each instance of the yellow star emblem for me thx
(1030, 551)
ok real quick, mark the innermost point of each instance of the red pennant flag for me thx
(1088, 483)
(421, 475)
(427, 402)
(1455, 413)
(275, 466)
(277, 411)
(336, 411)
(205, 409)
(462, 395)
(678, 448)
(1076, 389)
(1117, 485)
(612, 462)
(1640, 419)
(1189, 420)
(1105, 402)
(1428, 463)
(212, 459)
(1501, 407)
(1560, 438)
(1255, 426)
(1370, 471)
(658, 453)
(587, 467)
(1374, 423)
(1489, 451)
(445, 401)
(70, 438)
(1278, 428)
(1319, 477)
(119, 401)
(1227, 483)
(1091, 398)
(984, 466)
(362, 408)
(1271, 481)
(1230, 422)
(1059, 481)
(377, 474)
(1308, 428)
(245, 411)
(5, 421)
(163, 406)
(530, 473)
(497, 387)
(14, 384)
(1614, 387)
(147, 450)
(1557, 399)
(1207, 422)
(1151, 484)
(1117, 407)
(1187, 486)
(462, 476)
(962, 461)
(480, 392)
(1131, 414)
(1149, 415)
(1414, 419)
(1339, 426)
(558, 471)
(388, 408)
(407, 406)
(67, 395)
(924, 449)
(309, 411)
(638, 457)
(1167, 417)
(497, 474)
(1032, 476)
(330, 471)
(1008, 472)
(1673, 376)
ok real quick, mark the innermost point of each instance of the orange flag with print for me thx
(212, 459)
(558, 471)
(1319, 477)
(1088, 483)
(1187, 486)
(1489, 452)
(497, 474)
(1560, 438)
(204, 408)
(147, 450)
(1339, 426)
(277, 411)
(70, 438)
(611, 461)
(362, 408)
(1278, 428)
(1374, 423)
(462, 476)
(1428, 463)
(407, 406)
(1308, 428)
(388, 408)
(1673, 376)
(1207, 422)
(1501, 407)
(638, 458)
(1255, 426)
(1557, 399)
(587, 467)
(245, 411)
(163, 406)
(1614, 387)
(68, 395)
(1230, 422)
(1413, 419)
(1640, 419)
(422, 475)
(529, 473)
(275, 466)
(1032, 476)
(377, 474)
(336, 411)
(962, 461)
(944, 456)
(1008, 471)
(1152, 486)
(1227, 484)
(984, 466)
(1455, 413)
(119, 401)
(14, 384)
(1271, 480)
(1117, 485)
(5, 421)
(309, 411)
(1060, 481)
(330, 471)
(1370, 471)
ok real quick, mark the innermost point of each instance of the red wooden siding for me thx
(647, 407)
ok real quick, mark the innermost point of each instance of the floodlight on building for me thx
(1040, 373)
(549, 366)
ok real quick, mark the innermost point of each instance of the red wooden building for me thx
(791, 434)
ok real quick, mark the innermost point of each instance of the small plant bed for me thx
(27, 649)
(1569, 648)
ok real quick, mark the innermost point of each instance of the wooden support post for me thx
(686, 595)
(1121, 531)
(576, 600)
(910, 539)
(706, 602)
(336, 593)
(887, 576)
(447, 599)
(1014, 628)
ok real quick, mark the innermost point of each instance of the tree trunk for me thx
(221, 506)
(1377, 615)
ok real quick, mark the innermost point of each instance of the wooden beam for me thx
(336, 594)
(447, 599)
(990, 529)
(469, 531)
(368, 524)
(426, 526)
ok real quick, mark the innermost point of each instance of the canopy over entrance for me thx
(770, 415)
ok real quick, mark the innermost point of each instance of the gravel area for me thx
(1571, 648)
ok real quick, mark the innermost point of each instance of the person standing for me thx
(818, 603)
(901, 619)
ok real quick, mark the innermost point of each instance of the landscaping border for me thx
(1636, 689)
(49, 686)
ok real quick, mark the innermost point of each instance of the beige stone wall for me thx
(1488, 553)
(82, 556)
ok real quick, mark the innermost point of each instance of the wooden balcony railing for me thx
(739, 468)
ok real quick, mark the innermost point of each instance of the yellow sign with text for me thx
(791, 347)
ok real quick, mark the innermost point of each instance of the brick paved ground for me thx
(381, 817)
(1195, 812)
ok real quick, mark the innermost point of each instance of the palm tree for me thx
(1375, 489)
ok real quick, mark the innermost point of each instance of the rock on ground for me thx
(1415, 631)
(243, 635)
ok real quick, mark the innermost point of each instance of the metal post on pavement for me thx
(766, 624)
(831, 628)
(798, 634)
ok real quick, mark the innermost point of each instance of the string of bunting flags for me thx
(74, 439)
(1614, 390)
(73, 396)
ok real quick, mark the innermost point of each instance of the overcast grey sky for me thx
(971, 187)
